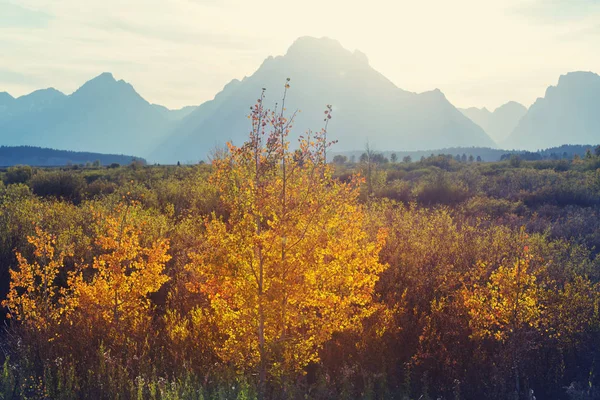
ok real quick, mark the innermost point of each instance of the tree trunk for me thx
(262, 375)
(517, 383)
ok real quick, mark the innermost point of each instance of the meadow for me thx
(269, 273)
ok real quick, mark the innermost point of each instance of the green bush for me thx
(397, 190)
(18, 174)
(481, 205)
(99, 188)
(58, 184)
(440, 190)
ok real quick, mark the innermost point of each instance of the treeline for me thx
(429, 279)
(43, 157)
(464, 154)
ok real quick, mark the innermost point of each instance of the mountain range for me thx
(500, 123)
(106, 115)
(568, 113)
(366, 106)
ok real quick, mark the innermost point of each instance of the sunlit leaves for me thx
(509, 301)
(112, 292)
(35, 297)
(292, 256)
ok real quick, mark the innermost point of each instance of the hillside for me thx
(43, 157)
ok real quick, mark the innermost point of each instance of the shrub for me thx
(491, 206)
(59, 184)
(395, 174)
(440, 190)
(515, 161)
(397, 190)
(18, 174)
(99, 188)
(563, 195)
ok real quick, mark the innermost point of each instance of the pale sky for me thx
(182, 52)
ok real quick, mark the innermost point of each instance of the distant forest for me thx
(486, 154)
(43, 157)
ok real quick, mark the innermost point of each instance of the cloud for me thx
(12, 15)
(173, 34)
(581, 32)
(552, 11)
(178, 52)
(17, 83)
(211, 3)
(8, 75)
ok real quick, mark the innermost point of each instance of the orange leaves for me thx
(509, 301)
(105, 300)
(115, 297)
(292, 264)
(34, 297)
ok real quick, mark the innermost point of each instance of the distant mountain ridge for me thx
(103, 115)
(500, 123)
(43, 157)
(11, 107)
(367, 106)
(568, 113)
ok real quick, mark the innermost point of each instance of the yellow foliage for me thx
(112, 294)
(292, 264)
(34, 297)
(508, 302)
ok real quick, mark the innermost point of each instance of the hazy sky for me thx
(181, 52)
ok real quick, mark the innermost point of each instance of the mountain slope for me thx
(30, 103)
(367, 106)
(500, 123)
(104, 115)
(6, 101)
(42, 157)
(568, 113)
(174, 115)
